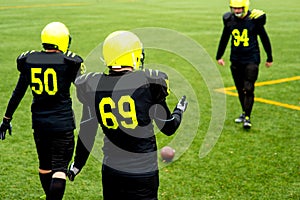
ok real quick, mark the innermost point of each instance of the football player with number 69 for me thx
(125, 102)
(243, 26)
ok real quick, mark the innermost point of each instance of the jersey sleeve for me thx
(76, 62)
(166, 121)
(21, 86)
(224, 37)
(226, 18)
(81, 88)
(86, 84)
(21, 60)
(259, 18)
(86, 137)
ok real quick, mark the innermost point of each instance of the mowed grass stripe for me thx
(42, 5)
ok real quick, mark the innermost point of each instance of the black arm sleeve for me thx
(168, 123)
(86, 137)
(223, 43)
(224, 37)
(266, 43)
(76, 63)
(17, 95)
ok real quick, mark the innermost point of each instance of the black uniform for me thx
(49, 75)
(125, 104)
(245, 54)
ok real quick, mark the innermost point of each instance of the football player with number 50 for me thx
(49, 73)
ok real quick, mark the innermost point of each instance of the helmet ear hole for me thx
(50, 46)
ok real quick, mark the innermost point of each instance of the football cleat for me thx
(247, 123)
(240, 119)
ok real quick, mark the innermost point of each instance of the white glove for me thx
(182, 104)
(72, 172)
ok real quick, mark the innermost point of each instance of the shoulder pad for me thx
(24, 55)
(72, 56)
(155, 74)
(85, 77)
(256, 14)
(160, 78)
(22, 58)
(227, 16)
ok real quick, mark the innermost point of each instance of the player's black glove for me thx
(5, 125)
(182, 104)
(72, 172)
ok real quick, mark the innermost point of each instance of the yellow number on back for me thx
(41, 86)
(52, 73)
(129, 114)
(37, 89)
(108, 115)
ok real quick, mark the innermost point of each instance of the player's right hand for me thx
(72, 172)
(5, 125)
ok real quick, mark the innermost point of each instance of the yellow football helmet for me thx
(57, 34)
(122, 49)
(240, 4)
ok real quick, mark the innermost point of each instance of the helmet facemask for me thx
(239, 4)
(142, 59)
(240, 14)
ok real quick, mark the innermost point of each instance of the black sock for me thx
(57, 189)
(46, 181)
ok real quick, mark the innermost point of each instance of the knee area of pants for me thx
(59, 174)
(44, 171)
(248, 92)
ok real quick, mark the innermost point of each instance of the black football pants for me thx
(244, 76)
(54, 149)
(127, 187)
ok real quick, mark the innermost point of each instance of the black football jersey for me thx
(49, 75)
(244, 42)
(125, 103)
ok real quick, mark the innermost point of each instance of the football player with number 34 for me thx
(125, 102)
(244, 25)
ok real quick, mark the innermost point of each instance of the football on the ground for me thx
(167, 153)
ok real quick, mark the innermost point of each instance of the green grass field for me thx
(181, 37)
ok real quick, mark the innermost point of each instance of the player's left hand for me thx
(182, 104)
(5, 125)
(269, 64)
(72, 172)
